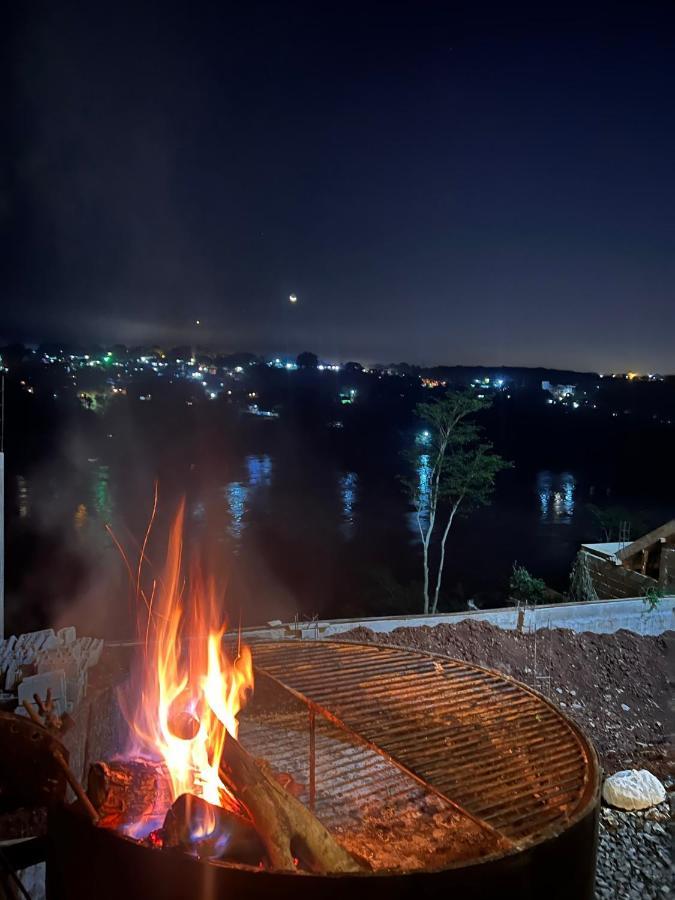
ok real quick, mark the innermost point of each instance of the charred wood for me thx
(126, 791)
(211, 832)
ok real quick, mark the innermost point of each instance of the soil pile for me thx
(616, 686)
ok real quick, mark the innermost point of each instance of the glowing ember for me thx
(187, 693)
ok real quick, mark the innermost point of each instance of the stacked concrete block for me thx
(39, 685)
(66, 635)
(34, 662)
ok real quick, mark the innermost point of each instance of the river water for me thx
(286, 532)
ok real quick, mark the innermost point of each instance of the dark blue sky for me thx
(488, 183)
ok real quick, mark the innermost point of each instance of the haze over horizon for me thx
(198, 345)
(453, 187)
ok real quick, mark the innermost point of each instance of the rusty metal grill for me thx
(496, 750)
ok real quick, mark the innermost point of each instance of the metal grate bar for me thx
(495, 749)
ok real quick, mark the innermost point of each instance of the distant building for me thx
(620, 569)
(559, 391)
(347, 396)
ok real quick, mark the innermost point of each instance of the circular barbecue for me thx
(438, 774)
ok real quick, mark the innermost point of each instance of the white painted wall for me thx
(599, 616)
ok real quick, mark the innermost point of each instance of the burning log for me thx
(126, 791)
(211, 832)
(288, 829)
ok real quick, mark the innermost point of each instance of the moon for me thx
(292, 298)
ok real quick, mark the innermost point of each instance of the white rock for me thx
(633, 789)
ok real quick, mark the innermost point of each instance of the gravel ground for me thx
(618, 688)
(634, 854)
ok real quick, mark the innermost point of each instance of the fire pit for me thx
(351, 767)
(436, 775)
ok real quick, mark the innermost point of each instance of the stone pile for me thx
(47, 660)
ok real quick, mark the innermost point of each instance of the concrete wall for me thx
(600, 616)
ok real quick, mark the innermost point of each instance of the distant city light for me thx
(197, 322)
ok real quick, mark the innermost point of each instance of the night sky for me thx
(437, 183)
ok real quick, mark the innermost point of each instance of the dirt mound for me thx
(616, 686)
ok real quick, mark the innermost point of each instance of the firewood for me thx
(211, 832)
(288, 829)
(125, 791)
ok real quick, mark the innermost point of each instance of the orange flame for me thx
(191, 692)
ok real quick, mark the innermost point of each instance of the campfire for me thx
(184, 781)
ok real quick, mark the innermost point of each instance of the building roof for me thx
(608, 549)
(662, 533)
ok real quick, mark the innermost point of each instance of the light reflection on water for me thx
(421, 516)
(80, 517)
(348, 486)
(199, 511)
(556, 497)
(259, 470)
(101, 493)
(238, 494)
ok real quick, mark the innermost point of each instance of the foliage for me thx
(652, 598)
(582, 589)
(524, 587)
(307, 360)
(453, 472)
